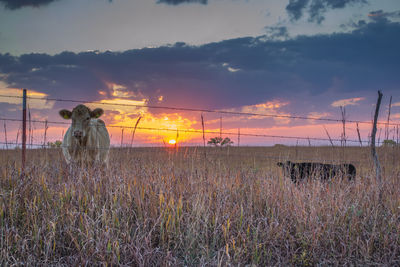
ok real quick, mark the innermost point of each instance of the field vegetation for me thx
(196, 206)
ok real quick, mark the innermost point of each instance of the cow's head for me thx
(80, 116)
(284, 164)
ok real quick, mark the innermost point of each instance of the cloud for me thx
(227, 74)
(16, 4)
(229, 68)
(318, 115)
(122, 113)
(274, 107)
(316, 8)
(38, 100)
(295, 8)
(277, 32)
(347, 102)
(379, 14)
(178, 2)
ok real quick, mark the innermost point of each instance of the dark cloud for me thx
(295, 8)
(225, 74)
(379, 14)
(277, 32)
(16, 4)
(178, 2)
(316, 8)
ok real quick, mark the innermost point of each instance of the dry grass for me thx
(158, 207)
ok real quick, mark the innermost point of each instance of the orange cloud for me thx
(120, 91)
(378, 13)
(153, 128)
(269, 108)
(158, 128)
(123, 106)
(396, 104)
(395, 116)
(317, 115)
(39, 102)
(347, 102)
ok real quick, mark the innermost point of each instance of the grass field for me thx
(166, 207)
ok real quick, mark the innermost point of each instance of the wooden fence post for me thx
(359, 135)
(373, 134)
(134, 129)
(204, 137)
(238, 144)
(23, 131)
(330, 139)
(343, 112)
(220, 127)
(122, 136)
(388, 120)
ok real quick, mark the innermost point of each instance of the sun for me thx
(172, 142)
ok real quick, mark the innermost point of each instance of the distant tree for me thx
(56, 144)
(226, 142)
(279, 146)
(220, 142)
(216, 141)
(388, 142)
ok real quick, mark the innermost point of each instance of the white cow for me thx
(86, 140)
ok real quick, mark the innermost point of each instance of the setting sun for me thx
(172, 142)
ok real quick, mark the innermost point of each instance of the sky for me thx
(295, 58)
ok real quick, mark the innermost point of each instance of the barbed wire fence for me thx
(7, 143)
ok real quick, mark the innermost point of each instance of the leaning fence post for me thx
(204, 136)
(373, 134)
(359, 135)
(330, 139)
(23, 131)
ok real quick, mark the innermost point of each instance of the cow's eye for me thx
(87, 118)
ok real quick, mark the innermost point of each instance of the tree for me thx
(219, 142)
(56, 144)
(389, 142)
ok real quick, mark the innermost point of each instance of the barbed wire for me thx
(37, 121)
(203, 110)
(212, 132)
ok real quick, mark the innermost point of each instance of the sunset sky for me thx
(302, 58)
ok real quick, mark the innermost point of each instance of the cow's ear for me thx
(65, 114)
(96, 113)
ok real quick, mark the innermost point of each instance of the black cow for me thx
(303, 170)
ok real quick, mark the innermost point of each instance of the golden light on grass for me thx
(151, 207)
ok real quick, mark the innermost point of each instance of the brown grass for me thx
(155, 206)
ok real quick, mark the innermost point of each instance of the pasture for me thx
(198, 206)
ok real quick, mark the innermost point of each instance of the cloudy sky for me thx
(280, 57)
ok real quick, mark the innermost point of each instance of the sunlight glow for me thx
(172, 142)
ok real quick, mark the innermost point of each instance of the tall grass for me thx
(155, 207)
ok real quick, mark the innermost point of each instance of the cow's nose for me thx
(78, 134)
